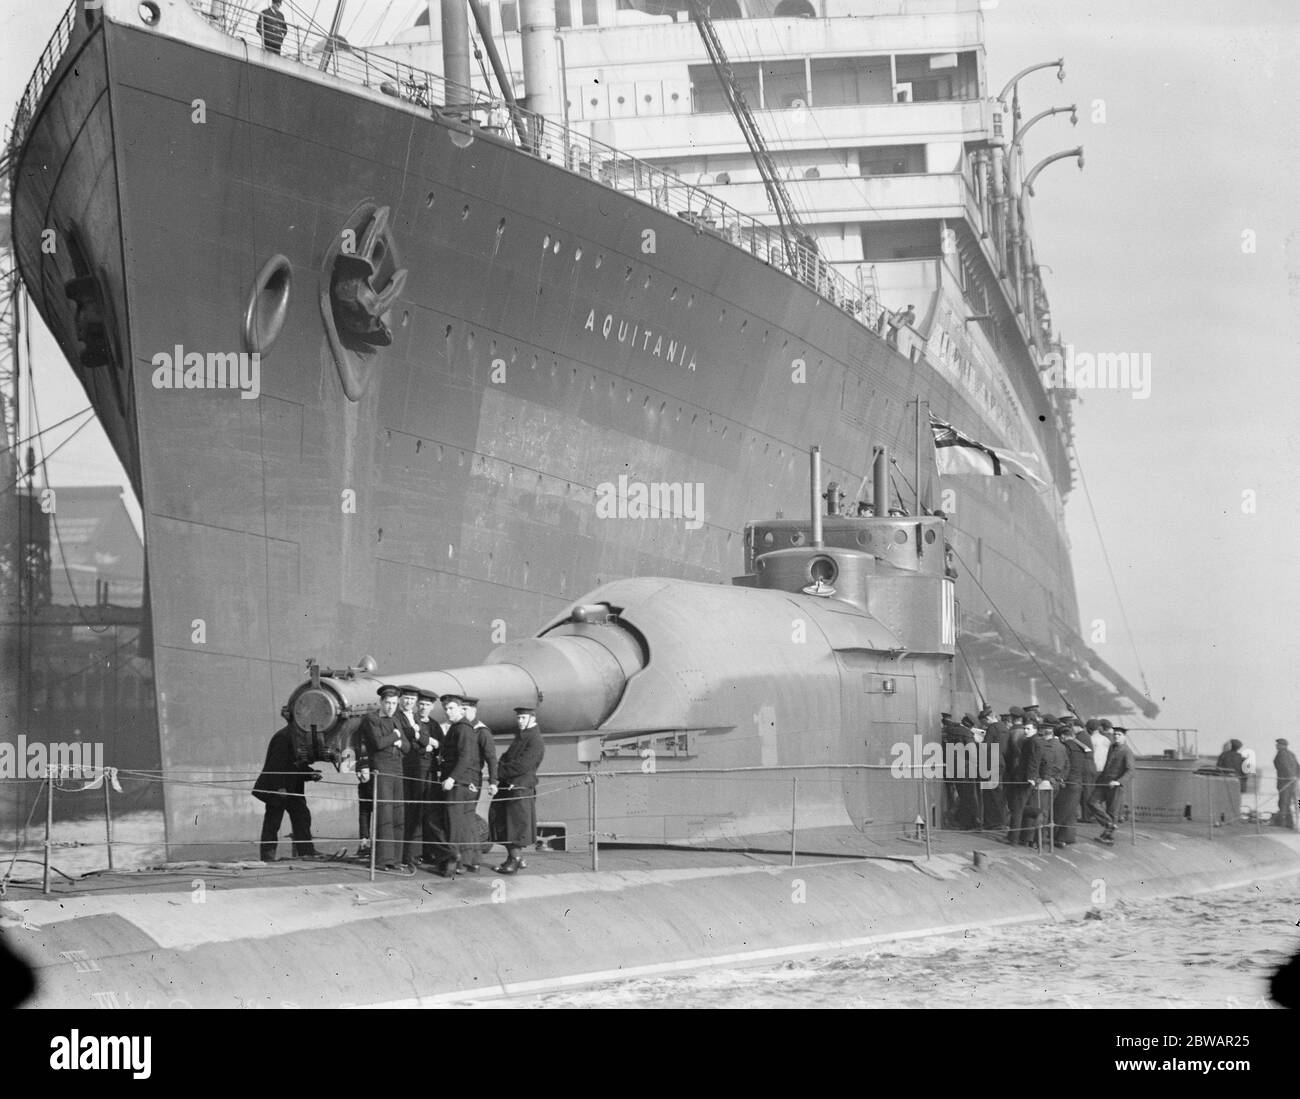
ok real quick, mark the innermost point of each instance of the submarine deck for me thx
(318, 933)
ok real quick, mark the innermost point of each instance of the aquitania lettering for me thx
(659, 344)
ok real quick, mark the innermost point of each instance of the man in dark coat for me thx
(1019, 745)
(426, 765)
(1078, 751)
(1288, 773)
(1232, 760)
(416, 767)
(1110, 786)
(1045, 768)
(462, 766)
(962, 812)
(514, 810)
(995, 799)
(280, 788)
(382, 748)
(272, 26)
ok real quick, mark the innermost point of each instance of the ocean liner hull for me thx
(430, 500)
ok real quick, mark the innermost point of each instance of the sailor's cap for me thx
(469, 701)
(1284, 743)
(1016, 711)
(525, 709)
(407, 689)
(388, 691)
(427, 696)
(458, 699)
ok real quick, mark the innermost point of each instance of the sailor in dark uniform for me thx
(280, 788)
(1078, 749)
(487, 747)
(382, 746)
(514, 810)
(1020, 747)
(1110, 785)
(415, 771)
(995, 800)
(462, 772)
(365, 792)
(432, 828)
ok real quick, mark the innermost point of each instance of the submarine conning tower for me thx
(890, 565)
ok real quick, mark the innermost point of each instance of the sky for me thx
(1180, 240)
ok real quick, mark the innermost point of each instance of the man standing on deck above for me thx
(1288, 773)
(272, 27)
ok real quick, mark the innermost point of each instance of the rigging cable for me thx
(1110, 570)
(45, 472)
(1019, 640)
(20, 442)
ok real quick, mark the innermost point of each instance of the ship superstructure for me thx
(388, 363)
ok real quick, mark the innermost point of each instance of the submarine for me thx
(721, 788)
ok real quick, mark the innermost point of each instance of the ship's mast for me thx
(787, 218)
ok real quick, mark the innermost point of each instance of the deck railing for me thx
(309, 44)
(53, 53)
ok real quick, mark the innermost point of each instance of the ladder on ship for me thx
(794, 234)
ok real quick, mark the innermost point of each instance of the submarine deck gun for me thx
(835, 645)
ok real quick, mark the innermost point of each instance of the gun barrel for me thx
(574, 676)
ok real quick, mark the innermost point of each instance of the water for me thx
(1216, 950)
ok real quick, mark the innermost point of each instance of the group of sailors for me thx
(1051, 774)
(420, 782)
